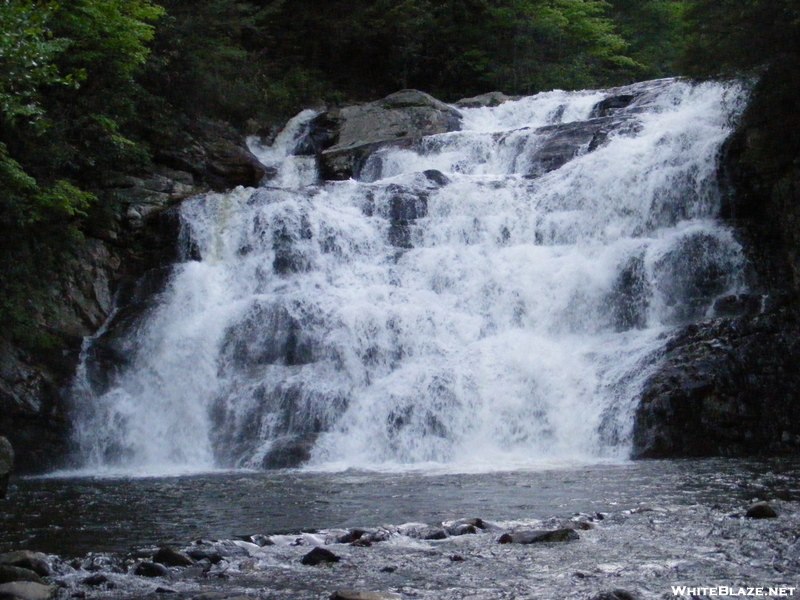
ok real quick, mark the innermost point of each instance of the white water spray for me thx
(499, 313)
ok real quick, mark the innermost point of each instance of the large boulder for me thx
(489, 99)
(345, 137)
(213, 152)
(27, 559)
(727, 387)
(27, 590)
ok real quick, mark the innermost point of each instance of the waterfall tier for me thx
(485, 298)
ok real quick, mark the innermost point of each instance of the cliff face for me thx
(119, 248)
(730, 386)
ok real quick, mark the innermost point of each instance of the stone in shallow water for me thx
(220, 596)
(537, 536)
(319, 555)
(149, 569)
(27, 590)
(208, 553)
(96, 580)
(761, 510)
(25, 559)
(10, 573)
(359, 595)
(617, 595)
(172, 558)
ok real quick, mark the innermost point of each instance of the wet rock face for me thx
(760, 166)
(565, 141)
(725, 388)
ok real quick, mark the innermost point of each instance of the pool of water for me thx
(71, 516)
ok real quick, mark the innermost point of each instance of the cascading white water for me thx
(489, 314)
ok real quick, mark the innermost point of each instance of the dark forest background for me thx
(87, 87)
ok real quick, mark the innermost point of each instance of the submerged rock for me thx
(539, 536)
(150, 569)
(617, 595)
(359, 595)
(97, 580)
(761, 510)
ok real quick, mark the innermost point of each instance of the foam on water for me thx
(512, 324)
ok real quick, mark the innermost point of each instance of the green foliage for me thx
(655, 30)
(27, 50)
(730, 36)
(450, 48)
(24, 203)
(68, 99)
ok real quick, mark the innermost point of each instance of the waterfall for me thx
(480, 299)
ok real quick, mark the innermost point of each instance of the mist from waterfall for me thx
(464, 305)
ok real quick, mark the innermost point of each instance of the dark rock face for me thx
(289, 452)
(349, 135)
(139, 238)
(213, 152)
(611, 104)
(629, 298)
(691, 275)
(268, 336)
(726, 387)
(406, 207)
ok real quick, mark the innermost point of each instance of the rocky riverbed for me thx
(637, 529)
(644, 551)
